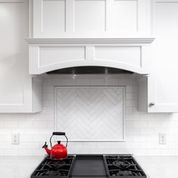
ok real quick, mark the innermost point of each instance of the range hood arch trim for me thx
(47, 55)
(70, 64)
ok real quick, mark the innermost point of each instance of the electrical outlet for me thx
(162, 138)
(15, 139)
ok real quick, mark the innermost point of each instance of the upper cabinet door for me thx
(16, 90)
(86, 18)
(164, 66)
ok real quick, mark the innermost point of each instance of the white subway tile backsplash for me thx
(141, 129)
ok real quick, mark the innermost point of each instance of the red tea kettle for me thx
(58, 151)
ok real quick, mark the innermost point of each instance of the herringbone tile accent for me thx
(90, 113)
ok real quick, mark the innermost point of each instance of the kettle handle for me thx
(59, 134)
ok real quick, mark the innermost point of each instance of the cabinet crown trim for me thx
(113, 40)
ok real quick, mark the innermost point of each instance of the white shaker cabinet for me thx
(161, 90)
(19, 92)
(90, 18)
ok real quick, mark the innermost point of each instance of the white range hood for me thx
(48, 54)
(70, 33)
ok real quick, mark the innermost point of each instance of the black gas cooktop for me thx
(90, 166)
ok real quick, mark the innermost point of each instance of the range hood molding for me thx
(106, 40)
(49, 54)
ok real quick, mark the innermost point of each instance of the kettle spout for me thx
(45, 146)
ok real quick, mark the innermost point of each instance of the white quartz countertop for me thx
(154, 166)
(159, 166)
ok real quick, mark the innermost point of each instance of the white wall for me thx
(141, 129)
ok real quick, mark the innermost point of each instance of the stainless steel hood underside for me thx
(90, 70)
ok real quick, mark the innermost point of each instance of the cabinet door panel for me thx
(165, 59)
(53, 16)
(126, 10)
(89, 16)
(11, 53)
(15, 81)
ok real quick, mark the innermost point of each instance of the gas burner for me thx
(123, 166)
(122, 173)
(52, 168)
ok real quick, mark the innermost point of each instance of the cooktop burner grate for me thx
(51, 168)
(90, 166)
(123, 166)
